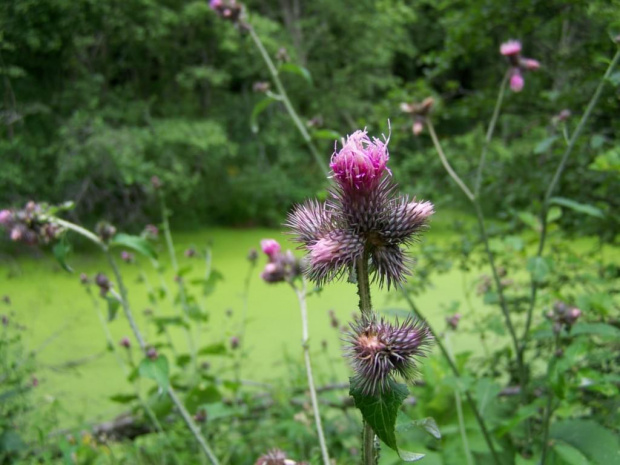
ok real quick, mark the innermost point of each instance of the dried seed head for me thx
(379, 350)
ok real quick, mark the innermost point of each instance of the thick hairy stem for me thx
(301, 297)
(444, 351)
(363, 291)
(490, 131)
(285, 100)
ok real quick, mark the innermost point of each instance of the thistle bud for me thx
(125, 342)
(84, 279)
(127, 257)
(156, 182)
(252, 255)
(152, 353)
(105, 231)
(234, 342)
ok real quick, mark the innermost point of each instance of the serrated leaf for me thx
(595, 442)
(113, 306)
(157, 370)
(545, 145)
(329, 134)
(538, 268)
(578, 207)
(296, 69)
(60, 251)
(135, 243)
(380, 411)
(257, 110)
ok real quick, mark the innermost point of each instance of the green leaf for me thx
(380, 412)
(296, 69)
(578, 207)
(486, 393)
(428, 425)
(163, 321)
(539, 268)
(113, 306)
(596, 329)
(545, 145)
(136, 243)
(530, 220)
(213, 349)
(554, 214)
(257, 110)
(209, 284)
(60, 251)
(595, 442)
(614, 78)
(123, 398)
(11, 442)
(157, 370)
(329, 134)
(201, 395)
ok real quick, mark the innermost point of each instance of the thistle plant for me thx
(363, 231)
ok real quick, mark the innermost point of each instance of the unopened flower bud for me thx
(252, 255)
(418, 127)
(191, 252)
(453, 321)
(201, 416)
(125, 342)
(105, 231)
(261, 87)
(151, 231)
(35, 381)
(234, 342)
(156, 182)
(5, 320)
(5, 217)
(282, 54)
(127, 257)
(271, 247)
(84, 278)
(559, 353)
(152, 353)
(516, 80)
(6, 299)
(104, 284)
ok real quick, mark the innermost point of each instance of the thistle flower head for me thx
(32, 224)
(5, 217)
(530, 64)
(270, 247)
(361, 162)
(510, 48)
(364, 217)
(516, 80)
(379, 350)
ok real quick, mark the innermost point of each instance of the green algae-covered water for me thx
(75, 368)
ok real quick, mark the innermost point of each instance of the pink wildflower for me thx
(516, 80)
(512, 47)
(271, 247)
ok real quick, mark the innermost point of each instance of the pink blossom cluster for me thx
(518, 64)
(281, 266)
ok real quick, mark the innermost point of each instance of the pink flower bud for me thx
(16, 234)
(530, 64)
(516, 80)
(5, 217)
(417, 127)
(215, 4)
(510, 48)
(270, 247)
(125, 342)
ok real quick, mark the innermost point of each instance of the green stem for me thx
(556, 178)
(548, 409)
(175, 266)
(301, 297)
(472, 404)
(446, 164)
(485, 240)
(369, 453)
(459, 412)
(490, 131)
(138, 335)
(285, 100)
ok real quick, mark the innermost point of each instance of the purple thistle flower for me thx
(364, 216)
(516, 80)
(379, 350)
(361, 162)
(5, 217)
(270, 247)
(510, 48)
